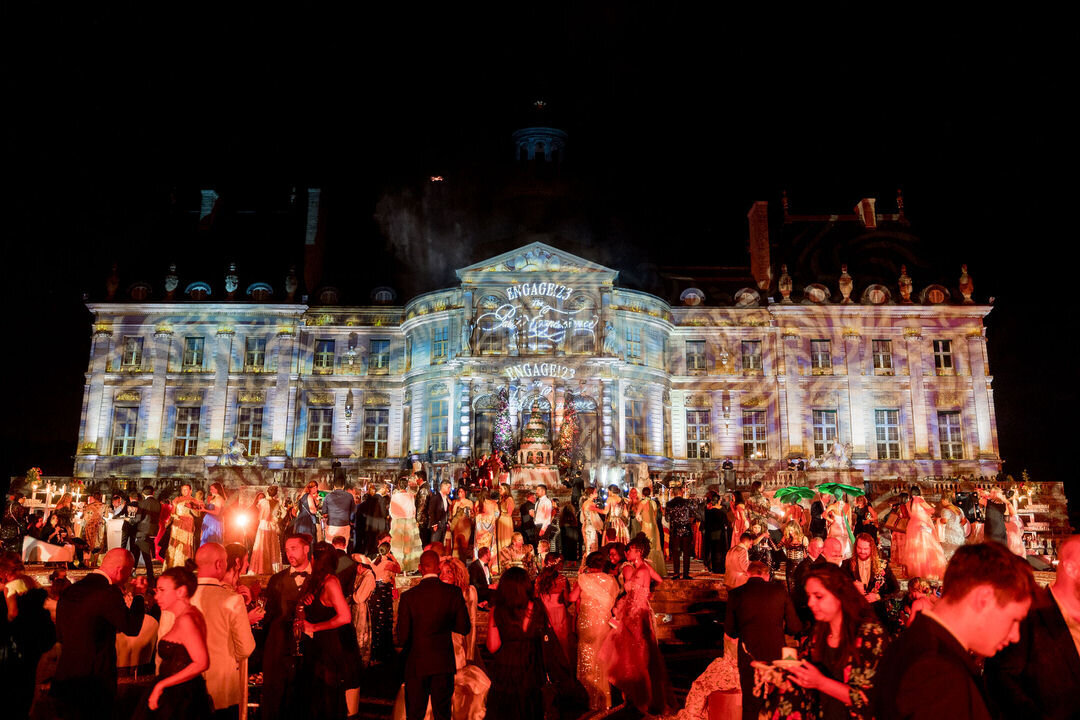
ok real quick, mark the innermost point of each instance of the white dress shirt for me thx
(543, 512)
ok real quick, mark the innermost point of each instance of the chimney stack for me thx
(867, 214)
(760, 265)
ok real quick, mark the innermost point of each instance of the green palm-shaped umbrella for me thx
(793, 494)
(838, 489)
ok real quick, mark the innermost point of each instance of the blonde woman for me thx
(182, 533)
(504, 524)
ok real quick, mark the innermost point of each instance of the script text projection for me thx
(532, 312)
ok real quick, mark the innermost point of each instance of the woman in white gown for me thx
(404, 532)
(923, 555)
(266, 552)
(951, 522)
(1014, 526)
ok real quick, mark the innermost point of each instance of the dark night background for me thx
(677, 122)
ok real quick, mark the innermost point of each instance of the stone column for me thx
(279, 412)
(466, 324)
(919, 419)
(678, 424)
(418, 419)
(464, 449)
(99, 361)
(854, 362)
(607, 451)
(795, 392)
(155, 405)
(655, 426)
(980, 385)
(217, 398)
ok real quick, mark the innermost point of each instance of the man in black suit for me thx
(281, 666)
(439, 512)
(797, 581)
(427, 616)
(1039, 676)
(146, 530)
(527, 510)
(872, 575)
(817, 518)
(758, 613)
(89, 615)
(480, 576)
(714, 546)
(929, 671)
(345, 567)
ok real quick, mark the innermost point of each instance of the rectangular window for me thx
(254, 353)
(323, 363)
(439, 341)
(821, 354)
(320, 432)
(751, 354)
(697, 434)
(186, 439)
(132, 355)
(887, 431)
(125, 424)
(635, 426)
(583, 341)
(437, 423)
(882, 350)
(379, 360)
(753, 434)
(633, 345)
(952, 445)
(943, 355)
(695, 356)
(493, 342)
(249, 429)
(376, 432)
(193, 352)
(824, 423)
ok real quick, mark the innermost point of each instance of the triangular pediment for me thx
(536, 257)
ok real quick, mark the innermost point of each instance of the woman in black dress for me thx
(516, 631)
(331, 662)
(381, 604)
(180, 691)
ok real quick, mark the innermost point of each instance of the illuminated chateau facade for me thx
(899, 378)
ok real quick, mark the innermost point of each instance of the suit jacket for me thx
(346, 570)
(478, 579)
(926, 674)
(89, 615)
(884, 584)
(428, 614)
(340, 508)
(279, 691)
(147, 517)
(229, 639)
(758, 613)
(437, 514)
(1039, 676)
(528, 522)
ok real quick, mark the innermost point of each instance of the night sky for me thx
(677, 123)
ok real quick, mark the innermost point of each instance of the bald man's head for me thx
(117, 565)
(833, 551)
(1068, 570)
(211, 560)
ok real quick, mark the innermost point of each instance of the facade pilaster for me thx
(99, 361)
(607, 450)
(795, 409)
(983, 401)
(655, 426)
(855, 362)
(919, 417)
(219, 394)
(155, 402)
(418, 418)
(464, 448)
(279, 412)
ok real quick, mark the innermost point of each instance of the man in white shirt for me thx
(542, 512)
(229, 641)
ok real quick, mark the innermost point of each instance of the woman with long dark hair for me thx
(381, 603)
(516, 630)
(839, 656)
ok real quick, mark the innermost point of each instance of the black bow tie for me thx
(294, 573)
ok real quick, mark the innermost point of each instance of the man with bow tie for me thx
(282, 697)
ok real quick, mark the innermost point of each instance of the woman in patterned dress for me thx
(487, 517)
(504, 524)
(404, 532)
(617, 517)
(181, 530)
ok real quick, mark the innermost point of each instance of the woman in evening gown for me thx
(650, 525)
(307, 512)
(553, 591)
(618, 527)
(595, 594)
(180, 691)
(951, 523)
(632, 650)
(212, 516)
(404, 532)
(839, 525)
(1014, 526)
(363, 587)
(592, 525)
(266, 552)
(381, 604)
(923, 554)
(504, 524)
(516, 629)
(181, 530)
(487, 515)
(461, 526)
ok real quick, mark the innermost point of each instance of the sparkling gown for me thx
(597, 598)
(211, 526)
(181, 537)
(404, 532)
(618, 521)
(486, 520)
(952, 531)
(651, 528)
(188, 700)
(635, 665)
(504, 528)
(266, 552)
(923, 554)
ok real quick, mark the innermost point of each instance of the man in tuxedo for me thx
(282, 696)
(427, 616)
(1039, 676)
(340, 508)
(930, 670)
(758, 614)
(727, 469)
(439, 512)
(680, 515)
(577, 487)
(817, 518)
(797, 582)
(88, 617)
(146, 529)
(345, 568)
(527, 511)
(480, 576)
(714, 543)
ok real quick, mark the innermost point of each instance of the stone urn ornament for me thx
(232, 281)
(291, 283)
(784, 285)
(846, 285)
(172, 281)
(967, 286)
(905, 286)
(112, 282)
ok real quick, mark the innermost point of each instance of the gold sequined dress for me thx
(598, 592)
